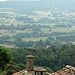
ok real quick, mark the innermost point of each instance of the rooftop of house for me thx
(68, 70)
(40, 69)
(24, 72)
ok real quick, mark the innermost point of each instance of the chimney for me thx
(30, 63)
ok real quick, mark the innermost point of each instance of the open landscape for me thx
(51, 26)
(43, 29)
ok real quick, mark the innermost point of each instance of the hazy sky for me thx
(19, 0)
(24, 0)
(3, 0)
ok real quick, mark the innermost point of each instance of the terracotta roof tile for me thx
(20, 72)
(68, 70)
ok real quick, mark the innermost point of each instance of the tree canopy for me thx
(5, 57)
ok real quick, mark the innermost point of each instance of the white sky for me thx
(19, 0)
(3, 0)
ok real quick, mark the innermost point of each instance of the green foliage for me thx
(5, 57)
(11, 68)
(53, 57)
(19, 55)
(4, 37)
(26, 19)
(48, 69)
(66, 38)
(22, 66)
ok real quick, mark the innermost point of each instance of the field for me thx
(35, 39)
(34, 28)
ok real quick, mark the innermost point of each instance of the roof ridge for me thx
(70, 67)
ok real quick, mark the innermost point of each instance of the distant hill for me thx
(43, 5)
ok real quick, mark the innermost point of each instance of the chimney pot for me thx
(30, 63)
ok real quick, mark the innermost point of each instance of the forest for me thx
(52, 58)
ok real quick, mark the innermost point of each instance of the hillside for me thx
(47, 5)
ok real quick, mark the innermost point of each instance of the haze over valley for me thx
(34, 21)
(42, 28)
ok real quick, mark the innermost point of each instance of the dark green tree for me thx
(5, 57)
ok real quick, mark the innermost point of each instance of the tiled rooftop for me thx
(68, 70)
(21, 72)
(24, 72)
(40, 69)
